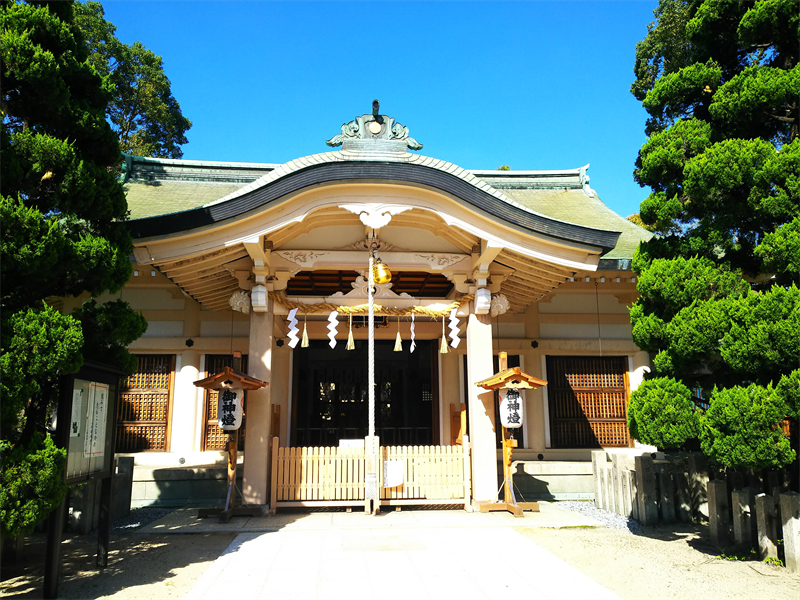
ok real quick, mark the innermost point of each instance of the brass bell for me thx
(381, 273)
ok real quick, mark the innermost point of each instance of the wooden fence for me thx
(331, 476)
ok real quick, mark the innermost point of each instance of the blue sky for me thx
(535, 85)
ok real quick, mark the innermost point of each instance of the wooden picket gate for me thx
(331, 476)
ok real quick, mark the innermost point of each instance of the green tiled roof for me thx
(148, 199)
(575, 206)
(161, 186)
(164, 186)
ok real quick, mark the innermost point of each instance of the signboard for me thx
(511, 411)
(94, 441)
(89, 435)
(392, 473)
(229, 409)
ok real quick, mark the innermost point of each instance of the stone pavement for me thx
(413, 555)
(184, 520)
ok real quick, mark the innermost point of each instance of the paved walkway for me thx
(407, 564)
(413, 555)
(184, 520)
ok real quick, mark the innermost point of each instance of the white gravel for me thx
(609, 519)
(140, 517)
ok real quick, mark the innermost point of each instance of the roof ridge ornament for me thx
(374, 127)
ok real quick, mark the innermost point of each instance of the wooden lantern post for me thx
(231, 385)
(512, 379)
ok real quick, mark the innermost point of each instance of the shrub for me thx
(32, 484)
(661, 413)
(742, 429)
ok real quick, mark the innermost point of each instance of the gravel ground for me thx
(676, 561)
(138, 518)
(609, 519)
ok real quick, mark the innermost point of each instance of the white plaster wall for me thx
(572, 331)
(224, 328)
(583, 303)
(187, 402)
(510, 330)
(164, 329)
(639, 364)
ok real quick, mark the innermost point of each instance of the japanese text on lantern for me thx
(229, 409)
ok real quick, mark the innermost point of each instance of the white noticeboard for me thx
(94, 443)
(511, 411)
(392, 473)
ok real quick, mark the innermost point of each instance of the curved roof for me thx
(346, 165)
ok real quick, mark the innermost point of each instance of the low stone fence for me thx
(743, 511)
(84, 499)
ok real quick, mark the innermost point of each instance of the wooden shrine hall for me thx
(271, 263)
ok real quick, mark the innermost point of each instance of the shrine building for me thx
(529, 262)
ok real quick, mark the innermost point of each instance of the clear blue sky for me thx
(535, 85)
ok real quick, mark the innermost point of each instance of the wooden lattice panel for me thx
(144, 408)
(588, 399)
(215, 438)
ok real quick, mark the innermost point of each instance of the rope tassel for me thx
(351, 345)
(398, 343)
(304, 343)
(443, 348)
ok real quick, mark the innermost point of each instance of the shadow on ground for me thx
(128, 553)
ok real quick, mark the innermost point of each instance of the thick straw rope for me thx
(363, 309)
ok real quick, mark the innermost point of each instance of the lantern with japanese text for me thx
(229, 408)
(230, 385)
(508, 383)
(511, 408)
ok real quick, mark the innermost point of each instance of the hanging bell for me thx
(351, 345)
(381, 273)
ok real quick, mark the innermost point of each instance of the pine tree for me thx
(719, 301)
(62, 212)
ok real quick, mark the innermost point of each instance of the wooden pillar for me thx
(255, 482)
(481, 409)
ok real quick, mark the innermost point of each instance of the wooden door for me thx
(145, 405)
(588, 399)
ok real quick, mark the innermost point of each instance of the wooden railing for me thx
(331, 476)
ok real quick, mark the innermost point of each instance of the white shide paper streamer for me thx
(333, 325)
(293, 330)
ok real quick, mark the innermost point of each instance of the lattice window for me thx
(215, 438)
(588, 399)
(143, 411)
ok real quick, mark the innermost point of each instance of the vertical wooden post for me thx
(230, 501)
(467, 473)
(52, 559)
(273, 490)
(104, 528)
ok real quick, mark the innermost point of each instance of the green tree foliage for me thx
(661, 413)
(719, 301)
(142, 111)
(62, 213)
(738, 430)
